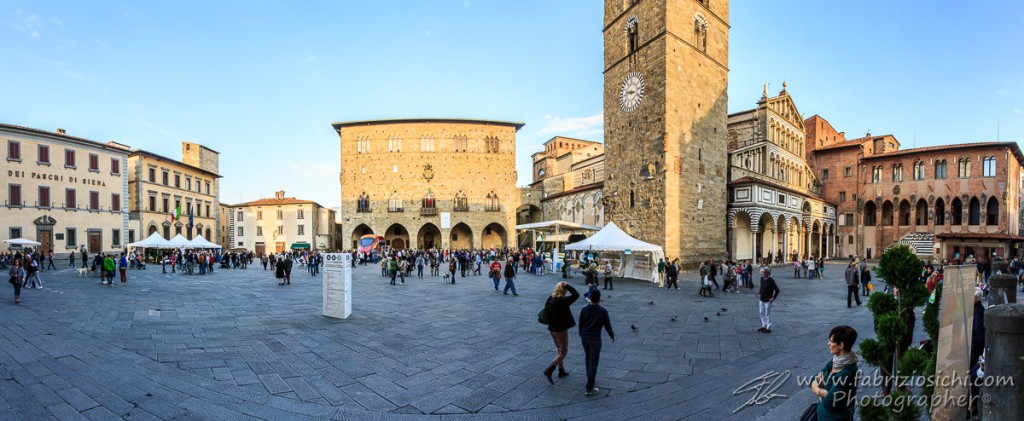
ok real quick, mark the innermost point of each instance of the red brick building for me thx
(951, 201)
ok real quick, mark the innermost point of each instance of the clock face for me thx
(632, 91)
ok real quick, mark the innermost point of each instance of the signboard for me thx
(627, 251)
(956, 314)
(446, 220)
(337, 285)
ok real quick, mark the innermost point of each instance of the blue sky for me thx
(261, 81)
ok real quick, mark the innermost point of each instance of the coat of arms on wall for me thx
(428, 172)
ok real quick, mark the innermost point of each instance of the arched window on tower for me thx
(700, 32)
(492, 202)
(631, 35)
(461, 204)
(363, 205)
(395, 203)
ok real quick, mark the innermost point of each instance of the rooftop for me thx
(338, 125)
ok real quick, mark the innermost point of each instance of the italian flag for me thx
(177, 212)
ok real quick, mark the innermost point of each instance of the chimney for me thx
(280, 194)
(61, 131)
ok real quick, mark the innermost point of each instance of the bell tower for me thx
(665, 116)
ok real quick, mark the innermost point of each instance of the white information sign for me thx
(337, 285)
(446, 220)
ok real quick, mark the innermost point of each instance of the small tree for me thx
(894, 321)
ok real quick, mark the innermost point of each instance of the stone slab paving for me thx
(235, 345)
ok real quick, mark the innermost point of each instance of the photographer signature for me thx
(764, 388)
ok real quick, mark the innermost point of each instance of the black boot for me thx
(547, 373)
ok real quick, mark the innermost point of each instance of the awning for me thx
(304, 246)
(552, 238)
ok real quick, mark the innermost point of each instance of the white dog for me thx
(83, 272)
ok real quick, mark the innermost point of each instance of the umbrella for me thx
(22, 242)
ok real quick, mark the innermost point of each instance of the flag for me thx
(177, 212)
(191, 222)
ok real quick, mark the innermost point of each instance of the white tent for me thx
(153, 241)
(202, 243)
(612, 239)
(178, 242)
(21, 242)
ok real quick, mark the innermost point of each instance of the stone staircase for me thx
(922, 243)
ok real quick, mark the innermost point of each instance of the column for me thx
(775, 242)
(753, 244)
(821, 241)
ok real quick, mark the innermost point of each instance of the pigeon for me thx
(674, 318)
(705, 318)
(650, 302)
(718, 314)
(724, 309)
(633, 327)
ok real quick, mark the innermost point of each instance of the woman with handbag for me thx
(560, 320)
(836, 384)
(17, 275)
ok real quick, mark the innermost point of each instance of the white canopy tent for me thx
(202, 243)
(153, 241)
(178, 242)
(21, 242)
(612, 239)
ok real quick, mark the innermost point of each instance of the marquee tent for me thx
(202, 243)
(639, 260)
(153, 241)
(21, 242)
(178, 242)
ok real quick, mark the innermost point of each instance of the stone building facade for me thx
(429, 183)
(158, 185)
(948, 202)
(65, 192)
(279, 224)
(665, 120)
(570, 176)
(776, 209)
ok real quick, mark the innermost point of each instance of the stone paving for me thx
(235, 345)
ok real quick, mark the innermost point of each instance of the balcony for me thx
(492, 208)
(363, 209)
(461, 207)
(396, 209)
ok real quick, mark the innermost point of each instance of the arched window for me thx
(940, 212)
(974, 212)
(919, 170)
(395, 203)
(461, 203)
(989, 166)
(992, 211)
(964, 168)
(363, 205)
(887, 213)
(940, 169)
(631, 35)
(492, 202)
(956, 212)
(700, 32)
(870, 214)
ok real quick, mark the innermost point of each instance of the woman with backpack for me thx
(560, 320)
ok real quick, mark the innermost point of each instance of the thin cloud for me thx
(1018, 111)
(573, 126)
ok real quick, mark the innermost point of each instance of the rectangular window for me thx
(241, 232)
(115, 202)
(69, 158)
(69, 199)
(876, 174)
(115, 166)
(241, 216)
(280, 230)
(207, 211)
(964, 168)
(259, 230)
(940, 169)
(824, 174)
(849, 219)
(177, 181)
(188, 183)
(15, 233)
(44, 197)
(165, 205)
(302, 229)
(855, 197)
(259, 215)
(94, 200)
(207, 187)
(301, 214)
(94, 163)
(152, 175)
(152, 203)
(72, 241)
(13, 151)
(280, 214)
(842, 197)
(990, 166)
(14, 195)
(848, 172)
(131, 236)
(849, 239)
(115, 236)
(919, 170)
(165, 176)
(44, 155)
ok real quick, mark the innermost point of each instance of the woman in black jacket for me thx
(560, 320)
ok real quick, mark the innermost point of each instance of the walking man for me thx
(593, 318)
(852, 281)
(661, 273)
(608, 284)
(50, 265)
(767, 295)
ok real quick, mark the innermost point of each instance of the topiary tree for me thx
(894, 321)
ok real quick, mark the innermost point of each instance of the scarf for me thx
(841, 361)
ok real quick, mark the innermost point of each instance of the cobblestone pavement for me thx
(235, 345)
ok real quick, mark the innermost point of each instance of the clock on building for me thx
(632, 91)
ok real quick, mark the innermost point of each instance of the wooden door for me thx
(95, 245)
(280, 247)
(45, 238)
(260, 249)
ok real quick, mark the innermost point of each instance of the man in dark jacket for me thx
(592, 319)
(287, 270)
(852, 281)
(767, 295)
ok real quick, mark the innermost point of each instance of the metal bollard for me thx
(1004, 345)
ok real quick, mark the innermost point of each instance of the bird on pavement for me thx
(633, 327)
(650, 302)
(705, 318)
(674, 318)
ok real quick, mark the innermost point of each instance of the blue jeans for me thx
(592, 355)
(510, 283)
(497, 282)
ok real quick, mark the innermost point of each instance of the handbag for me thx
(811, 413)
(543, 317)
